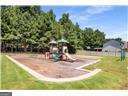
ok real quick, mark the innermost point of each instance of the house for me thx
(112, 46)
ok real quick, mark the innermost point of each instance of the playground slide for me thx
(69, 56)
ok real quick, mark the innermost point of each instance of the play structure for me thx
(57, 65)
(59, 51)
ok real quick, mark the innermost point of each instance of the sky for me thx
(112, 20)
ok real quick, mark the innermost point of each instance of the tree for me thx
(92, 38)
(9, 26)
(29, 28)
(79, 36)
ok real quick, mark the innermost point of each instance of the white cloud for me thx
(98, 9)
(79, 17)
(84, 15)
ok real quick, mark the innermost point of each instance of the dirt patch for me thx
(60, 69)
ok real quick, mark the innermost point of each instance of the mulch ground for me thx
(49, 68)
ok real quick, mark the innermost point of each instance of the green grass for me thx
(112, 76)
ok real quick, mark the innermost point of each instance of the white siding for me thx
(110, 49)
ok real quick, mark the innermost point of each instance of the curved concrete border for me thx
(44, 78)
(91, 63)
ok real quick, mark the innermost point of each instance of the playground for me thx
(112, 75)
(59, 66)
(40, 52)
(51, 69)
(57, 63)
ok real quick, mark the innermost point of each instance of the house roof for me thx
(113, 43)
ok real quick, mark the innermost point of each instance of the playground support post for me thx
(47, 55)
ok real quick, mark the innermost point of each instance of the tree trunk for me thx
(12, 48)
(38, 50)
(31, 48)
(17, 48)
(6, 47)
(25, 49)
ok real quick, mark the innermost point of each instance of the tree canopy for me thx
(28, 28)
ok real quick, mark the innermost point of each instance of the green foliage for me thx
(27, 27)
(92, 38)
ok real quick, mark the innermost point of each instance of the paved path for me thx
(44, 78)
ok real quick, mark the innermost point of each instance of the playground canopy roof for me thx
(63, 41)
(53, 42)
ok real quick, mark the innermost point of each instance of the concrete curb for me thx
(44, 78)
(91, 63)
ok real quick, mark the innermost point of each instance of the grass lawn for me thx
(112, 76)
